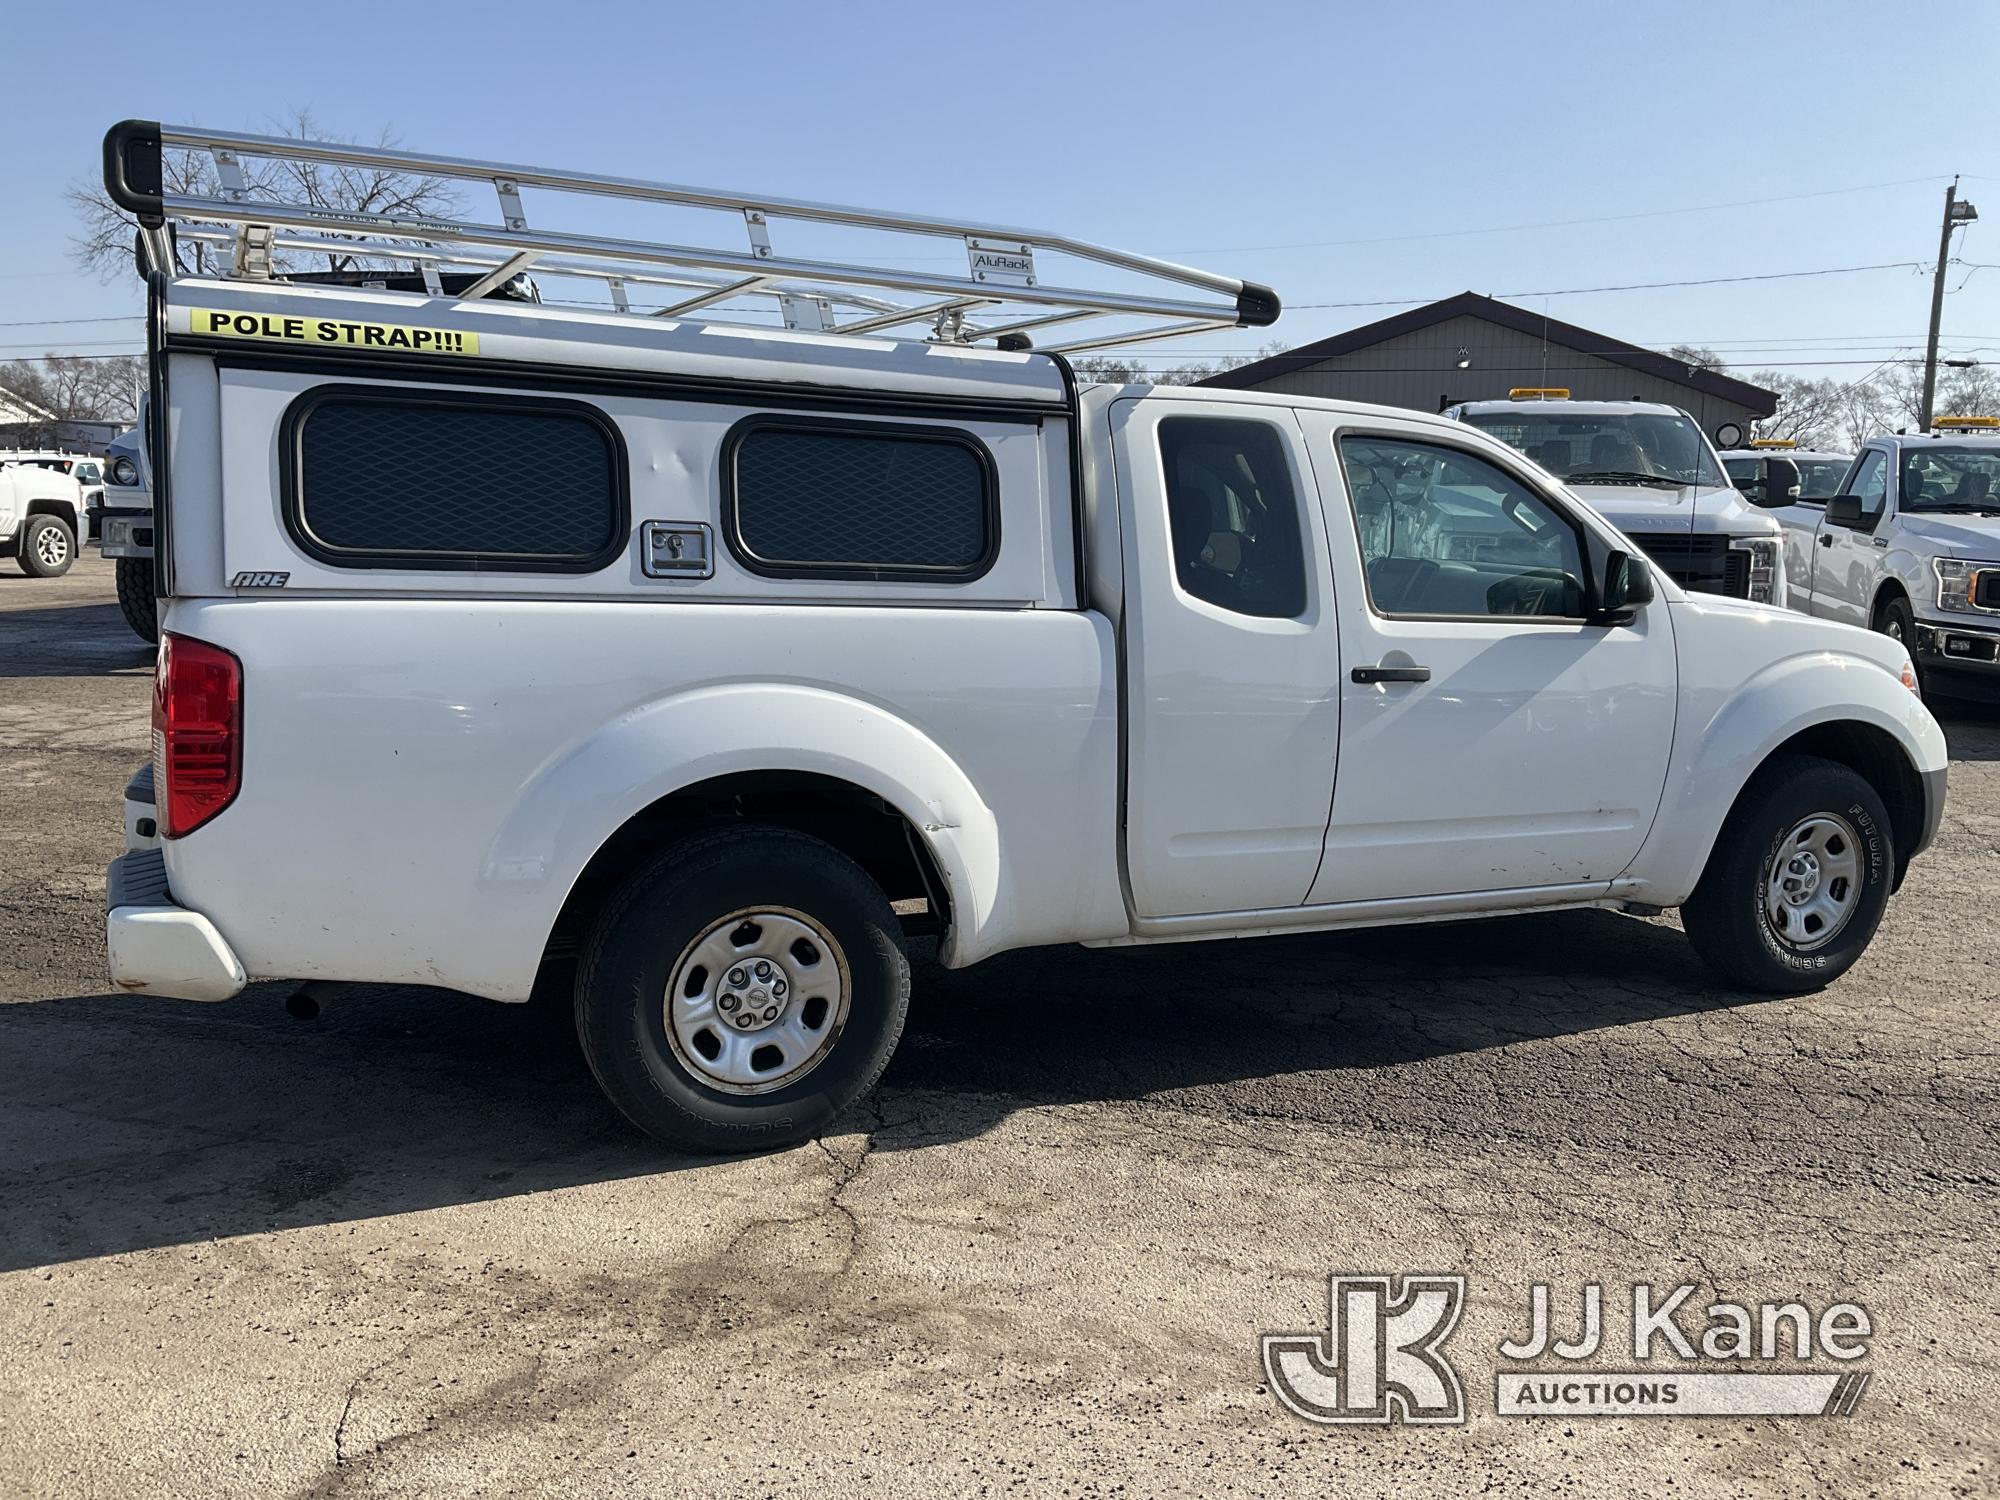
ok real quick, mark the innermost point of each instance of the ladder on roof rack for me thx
(1002, 296)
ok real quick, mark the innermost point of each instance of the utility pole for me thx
(1955, 214)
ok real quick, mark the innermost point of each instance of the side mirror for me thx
(1628, 583)
(1845, 510)
(1777, 484)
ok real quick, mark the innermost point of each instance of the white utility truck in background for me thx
(1649, 470)
(86, 470)
(504, 641)
(41, 516)
(125, 526)
(1910, 545)
(1751, 470)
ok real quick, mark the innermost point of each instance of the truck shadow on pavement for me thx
(1972, 729)
(74, 640)
(137, 1123)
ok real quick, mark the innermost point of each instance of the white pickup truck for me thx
(1649, 470)
(1910, 546)
(721, 660)
(41, 517)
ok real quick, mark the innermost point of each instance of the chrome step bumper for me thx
(156, 947)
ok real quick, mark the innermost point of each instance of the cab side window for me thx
(1233, 515)
(1445, 532)
(1870, 481)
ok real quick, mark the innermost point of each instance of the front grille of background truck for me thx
(1701, 563)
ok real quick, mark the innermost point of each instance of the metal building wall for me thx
(1417, 369)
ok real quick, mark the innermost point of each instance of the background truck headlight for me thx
(124, 471)
(1957, 579)
(1763, 553)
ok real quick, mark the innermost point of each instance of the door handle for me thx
(1391, 674)
(1825, 540)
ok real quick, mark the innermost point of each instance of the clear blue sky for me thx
(1341, 153)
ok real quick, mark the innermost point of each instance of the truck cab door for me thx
(1845, 559)
(1492, 738)
(1231, 661)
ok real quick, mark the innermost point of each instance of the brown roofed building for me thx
(1473, 348)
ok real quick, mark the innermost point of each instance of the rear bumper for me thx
(156, 947)
(142, 824)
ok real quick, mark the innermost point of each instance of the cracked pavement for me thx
(407, 1249)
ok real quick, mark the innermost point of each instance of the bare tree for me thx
(74, 388)
(1842, 416)
(103, 243)
(1696, 356)
(1133, 369)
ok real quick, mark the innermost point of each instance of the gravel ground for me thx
(406, 1249)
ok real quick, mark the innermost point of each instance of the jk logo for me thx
(1378, 1361)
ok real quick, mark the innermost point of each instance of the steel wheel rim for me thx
(757, 1000)
(1893, 628)
(51, 547)
(1813, 886)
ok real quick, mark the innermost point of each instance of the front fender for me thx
(584, 794)
(1914, 574)
(1724, 736)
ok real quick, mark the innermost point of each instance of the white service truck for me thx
(1776, 472)
(1909, 545)
(41, 517)
(125, 526)
(717, 661)
(1649, 470)
(86, 470)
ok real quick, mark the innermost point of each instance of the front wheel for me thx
(742, 990)
(136, 600)
(1798, 881)
(47, 547)
(1898, 621)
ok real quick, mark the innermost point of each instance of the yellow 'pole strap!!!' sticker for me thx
(329, 332)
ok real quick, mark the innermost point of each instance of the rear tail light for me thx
(197, 732)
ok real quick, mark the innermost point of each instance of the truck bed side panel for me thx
(388, 742)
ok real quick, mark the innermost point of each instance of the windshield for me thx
(1947, 479)
(1609, 447)
(1819, 478)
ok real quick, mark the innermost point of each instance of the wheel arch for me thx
(62, 510)
(1874, 755)
(845, 770)
(1890, 589)
(1818, 702)
(859, 823)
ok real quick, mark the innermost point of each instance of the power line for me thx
(1555, 223)
(1641, 286)
(54, 322)
(65, 353)
(1783, 364)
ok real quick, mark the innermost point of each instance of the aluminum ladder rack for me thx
(1002, 296)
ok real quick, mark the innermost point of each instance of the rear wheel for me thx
(136, 600)
(1797, 884)
(47, 547)
(742, 990)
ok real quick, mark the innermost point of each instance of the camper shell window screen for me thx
(812, 497)
(382, 478)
